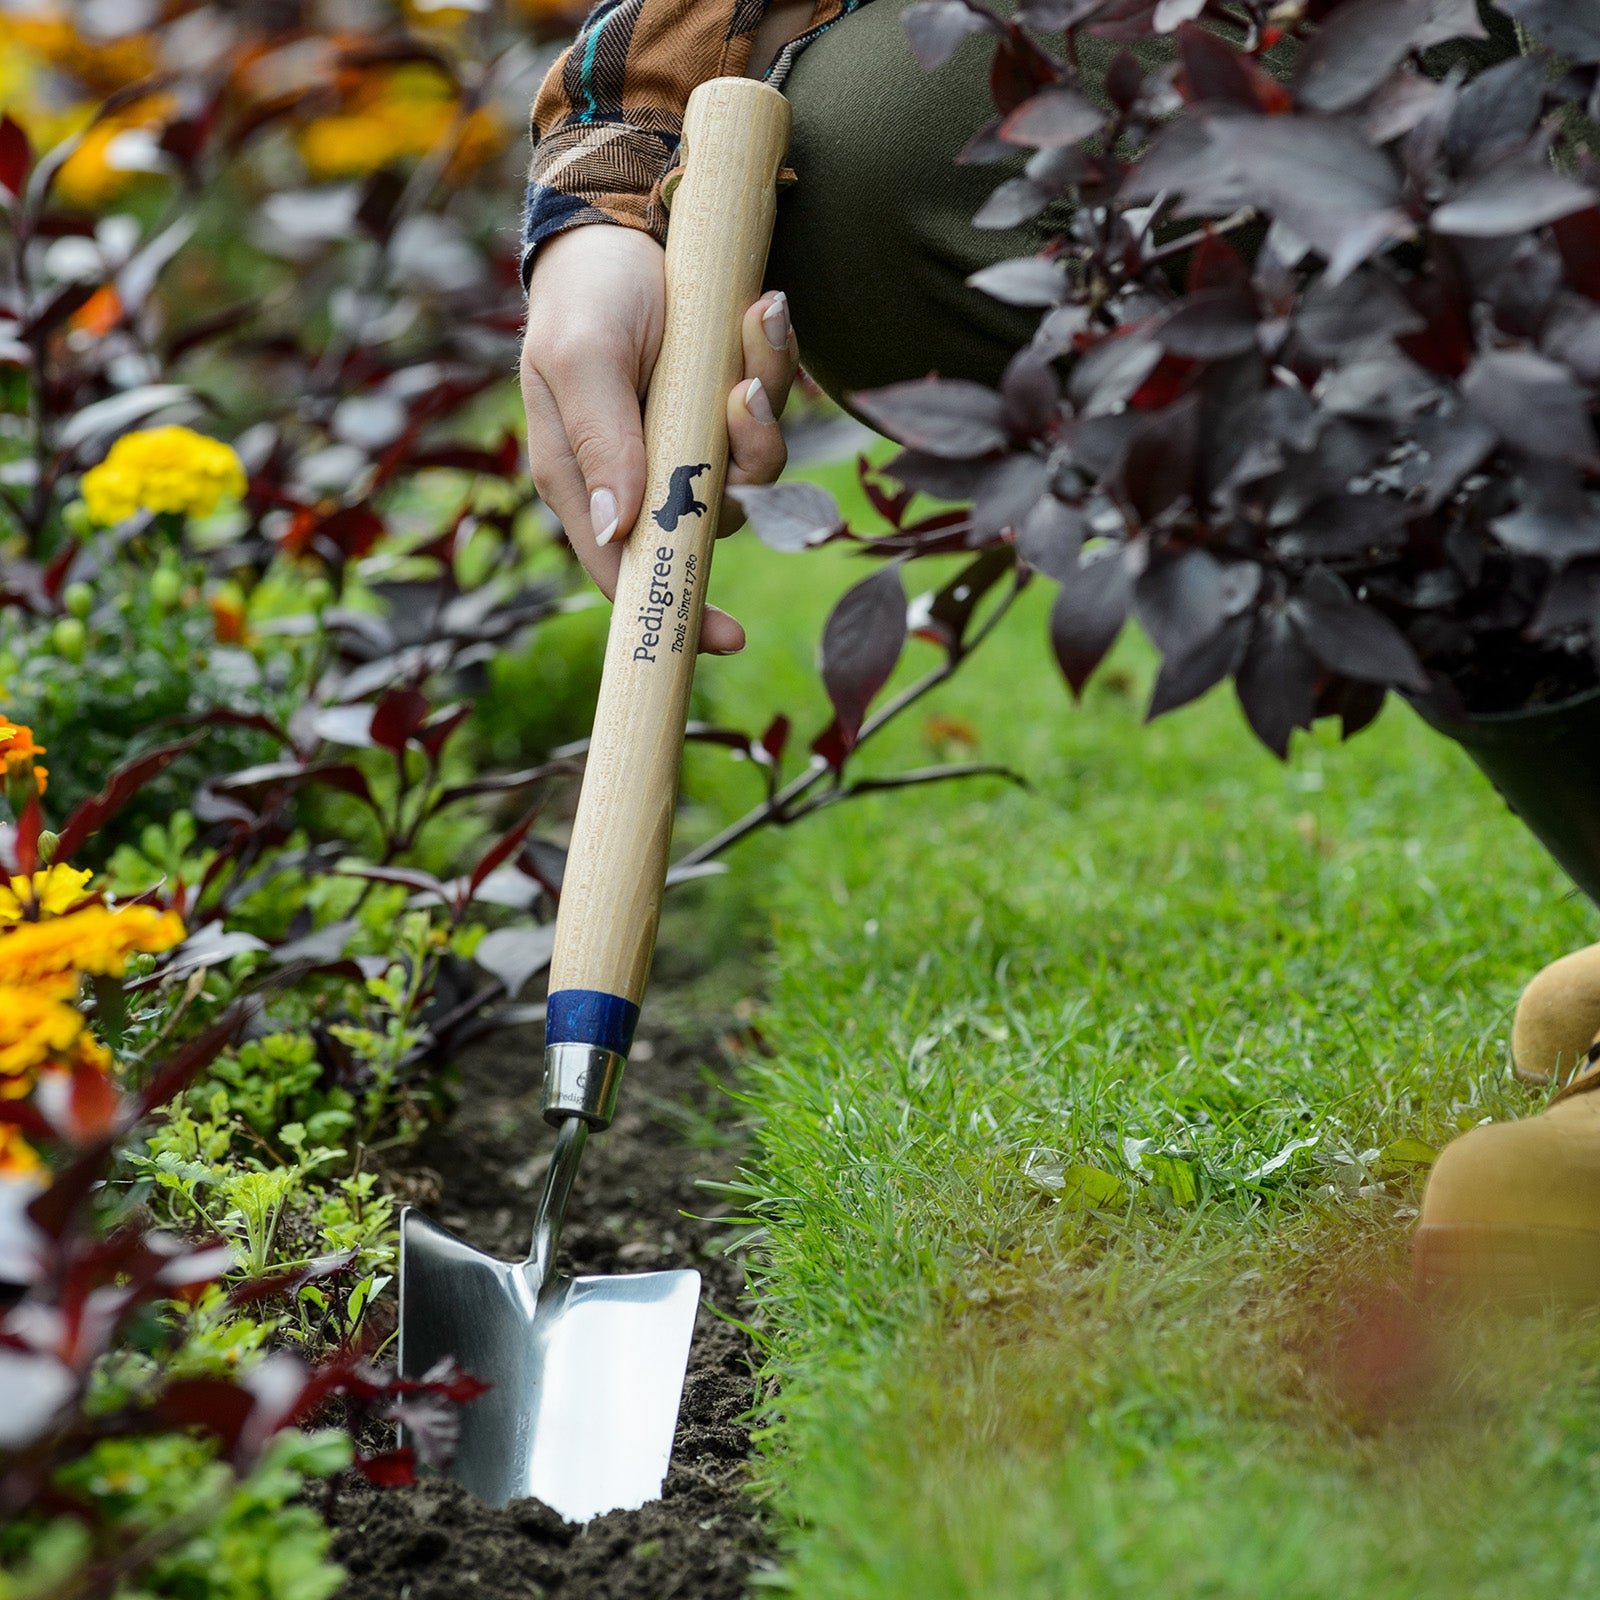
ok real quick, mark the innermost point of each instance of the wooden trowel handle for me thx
(735, 133)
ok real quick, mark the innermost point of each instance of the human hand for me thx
(596, 310)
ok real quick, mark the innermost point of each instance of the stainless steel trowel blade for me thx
(587, 1374)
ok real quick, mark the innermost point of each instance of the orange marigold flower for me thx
(94, 940)
(51, 893)
(229, 615)
(18, 1158)
(16, 744)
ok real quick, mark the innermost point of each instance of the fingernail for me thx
(757, 403)
(775, 320)
(603, 515)
(736, 650)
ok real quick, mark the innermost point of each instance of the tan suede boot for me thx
(1557, 1016)
(1512, 1209)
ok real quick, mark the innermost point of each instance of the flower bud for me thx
(166, 587)
(78, 598)
(68, 637)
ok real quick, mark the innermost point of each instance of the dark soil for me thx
(480, 1177)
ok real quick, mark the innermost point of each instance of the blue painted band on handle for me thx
(586, 1016)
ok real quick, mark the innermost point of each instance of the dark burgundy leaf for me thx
(937, 29)
(1578, 239)
(1049, 15)
(950, 612)
(346, 534)
(1495, 111)
(1031, 394)
(1345, 526)
(1449, 19)
(955, 481)
(1570, 27)
(1055, 116)
(1215, 73)
(399, 715)
(1572, 601)
(16, 156)
(440, 728)
(408, 877)
(1013, 202)
(789, 516)
(1533, 404)
(89, 816)
(1006, 493)
(776, 739)
(1557, 528)
(1022, 281)
(26, 840)
(389, 1469)
(210, 946)
(515, 954)
(270, 1285)
(286, 776)
(1187, 676)
(1398, 106)
(1111, 371)
(861, 645)
(1276, 682)
(1367, 305)
(1321, 178)
(832, 746)
(1355, 704)
(1511, 197)
(1211, 325)
(1452, 446)
(1354, 50)
(1088, 615)
(1158, 467)
(217, 1406)
(1021, 69)
(1124, 81)
(501, 850)
(984, 147)
(1215, 264)
(1051, 539)
(945, 417)
(1353, 639)
(221, 717)
(1183, 600)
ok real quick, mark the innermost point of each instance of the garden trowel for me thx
(587, 1373)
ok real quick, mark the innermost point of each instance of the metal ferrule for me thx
(581, 1080)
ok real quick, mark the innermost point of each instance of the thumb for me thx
(605, 429)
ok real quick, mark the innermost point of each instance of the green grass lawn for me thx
(1092, 1126)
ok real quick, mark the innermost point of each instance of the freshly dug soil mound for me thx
(701, 1540)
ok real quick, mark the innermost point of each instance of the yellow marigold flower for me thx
(104, 65)
(162, 469)
(350, 146)
(94, 940)
(38, 1025)
(51, 893)
(397, 116)
(18, 1158)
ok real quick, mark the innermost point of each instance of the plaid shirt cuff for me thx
(596, 172)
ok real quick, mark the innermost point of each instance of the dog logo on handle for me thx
(680, 498)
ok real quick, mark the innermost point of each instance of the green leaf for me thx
(1179, 1174)
(1091, 1189)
